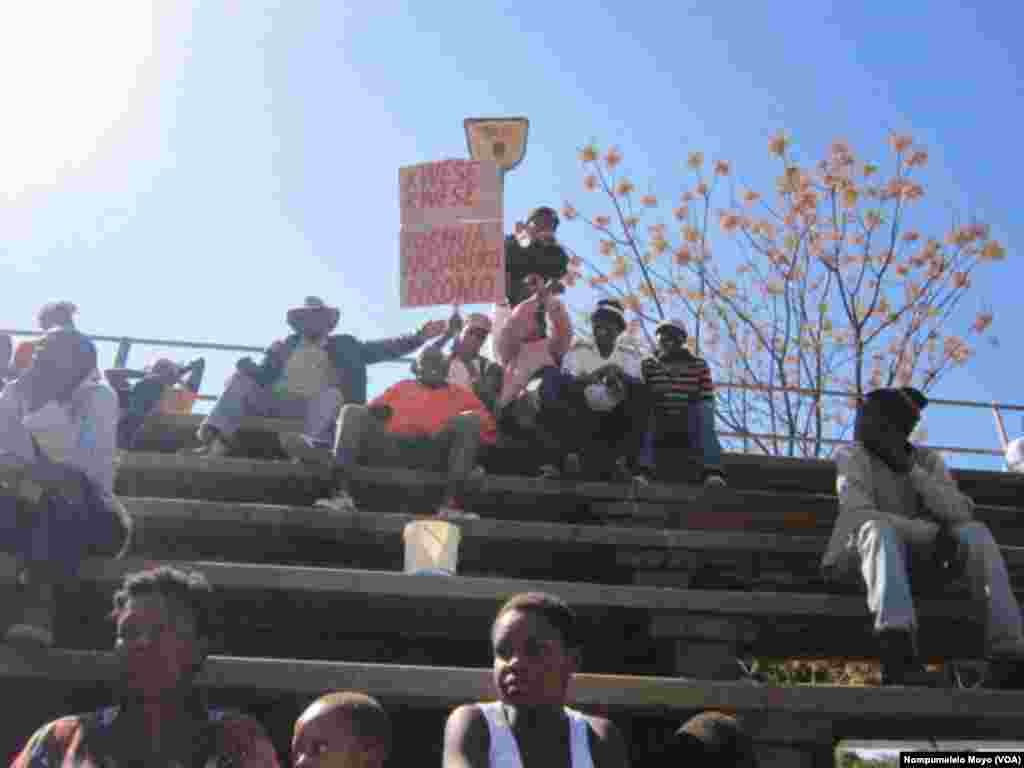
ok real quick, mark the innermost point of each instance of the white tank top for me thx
(504, 752)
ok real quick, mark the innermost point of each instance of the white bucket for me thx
(431, 547)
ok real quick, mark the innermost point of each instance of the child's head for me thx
(342, 730)
(713, 739)
(536, 650)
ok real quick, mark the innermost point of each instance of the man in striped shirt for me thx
(682, 402)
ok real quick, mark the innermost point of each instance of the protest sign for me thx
(451, 245)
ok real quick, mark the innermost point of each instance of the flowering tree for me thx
(833, 289)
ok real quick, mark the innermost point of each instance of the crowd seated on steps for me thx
(593, 408)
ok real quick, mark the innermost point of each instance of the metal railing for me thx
(125, 344)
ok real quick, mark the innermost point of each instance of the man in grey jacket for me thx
(897, 504)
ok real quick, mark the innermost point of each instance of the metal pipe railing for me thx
(125, 344)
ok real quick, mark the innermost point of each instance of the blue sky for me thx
(191, 171)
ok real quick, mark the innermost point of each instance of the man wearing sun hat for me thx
(309, 375)
(898, 504)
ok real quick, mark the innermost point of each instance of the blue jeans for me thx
(696, 437)
(52, 537)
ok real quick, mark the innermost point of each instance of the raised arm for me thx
(391, 349)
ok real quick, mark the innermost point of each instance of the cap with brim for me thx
(609, 311)
(542, 211)
(314, 317)
(673, 325)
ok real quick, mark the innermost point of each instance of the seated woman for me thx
(163, 619)
(159, 387)
(536, 652)
(57, 446)
(421, 423)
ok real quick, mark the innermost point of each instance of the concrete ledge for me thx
(746, 471)
(917, 709)
(769, 623)
(611, 554)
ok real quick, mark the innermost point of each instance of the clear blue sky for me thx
(192, 171)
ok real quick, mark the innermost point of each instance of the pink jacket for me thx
(523, 351)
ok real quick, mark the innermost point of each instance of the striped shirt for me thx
(674, 384)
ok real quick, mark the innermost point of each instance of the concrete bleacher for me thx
(670, 582)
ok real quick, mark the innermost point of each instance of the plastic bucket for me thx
(431, 547)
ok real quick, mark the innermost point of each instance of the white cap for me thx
(1015, 455)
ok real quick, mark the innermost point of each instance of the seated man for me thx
(307, 376)
(159, 387)
(536, 644)
(57, 448)
(425, 423)
(342, 729)
(57, 315)
(467, 367)
(595, 404)
(682, 401)
(898, 505)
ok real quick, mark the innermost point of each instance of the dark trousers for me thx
(362, 438)
(600, 437)
(670, 443)
(52, 536)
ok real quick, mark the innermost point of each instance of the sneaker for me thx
(643, 479)
(715, 481)
(301, 448)
(215, 449)
(342, 501)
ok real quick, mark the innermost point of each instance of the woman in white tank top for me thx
(536, 652)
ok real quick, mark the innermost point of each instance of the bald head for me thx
(343, 729)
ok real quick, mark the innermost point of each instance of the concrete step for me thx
(629, 628)
(746, 471)
(613, 554)
(910, 713)
(503, 496)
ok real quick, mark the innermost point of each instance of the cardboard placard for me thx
(452, 243)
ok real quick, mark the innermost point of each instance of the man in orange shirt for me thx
(421, 423)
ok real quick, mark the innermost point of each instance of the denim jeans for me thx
(696, 437)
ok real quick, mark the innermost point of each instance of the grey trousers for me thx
(244, 397)
(363, 437)
(884, 557)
